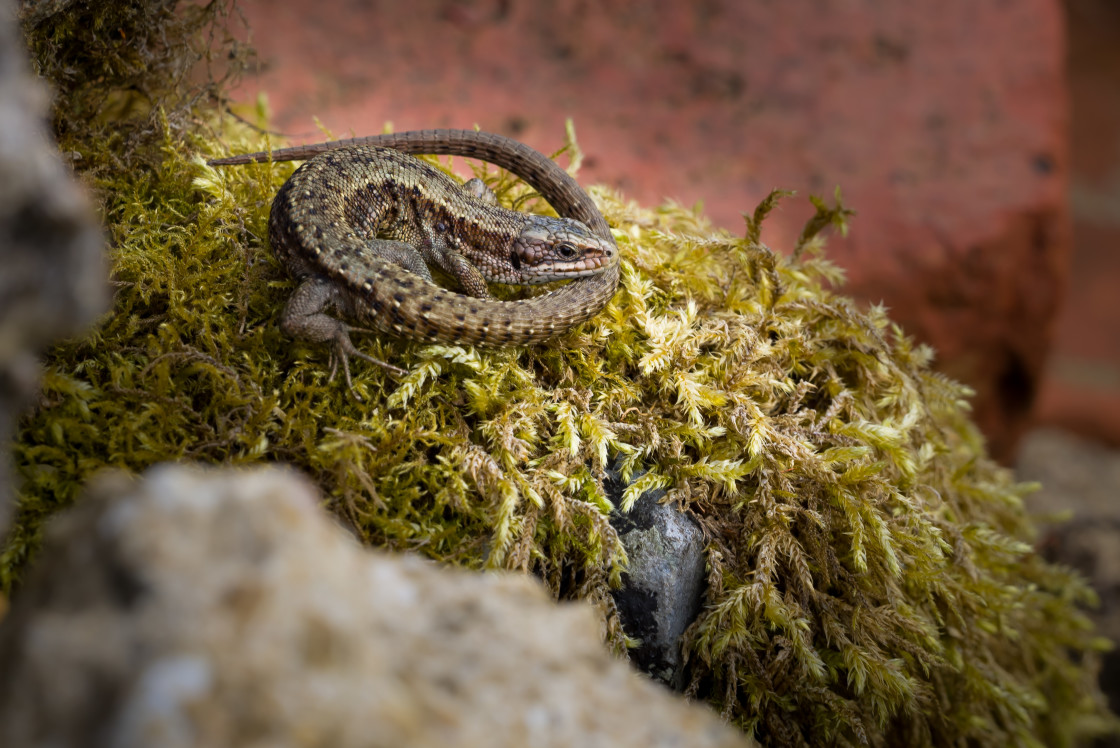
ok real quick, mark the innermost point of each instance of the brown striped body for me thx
(343, 218)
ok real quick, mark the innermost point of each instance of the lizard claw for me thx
(305, 317)
(343, 349)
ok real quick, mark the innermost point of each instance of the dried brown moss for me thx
(121, 70)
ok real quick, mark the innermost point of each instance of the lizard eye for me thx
(565, 250)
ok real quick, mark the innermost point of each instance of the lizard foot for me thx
(343, 349)
(305, 318)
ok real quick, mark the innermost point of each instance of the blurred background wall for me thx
(1081, 389)
(979, 143)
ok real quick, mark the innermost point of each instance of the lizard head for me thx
(552, 249)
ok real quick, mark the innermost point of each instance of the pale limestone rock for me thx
(197, 607)
(53, 280)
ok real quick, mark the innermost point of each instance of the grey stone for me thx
(664, 584)
(1079, 505)
(52, 269)
(207, 608)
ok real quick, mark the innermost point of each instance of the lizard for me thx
(357, 221)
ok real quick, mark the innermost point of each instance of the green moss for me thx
(871, 578)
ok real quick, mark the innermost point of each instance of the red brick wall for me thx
(945, 124)
(1082, 388)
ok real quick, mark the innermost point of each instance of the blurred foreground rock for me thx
(52, 274)
(220, 608)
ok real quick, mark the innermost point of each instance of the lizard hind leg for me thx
(304, 317)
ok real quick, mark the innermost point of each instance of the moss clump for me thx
(871, 574)
(870, 569)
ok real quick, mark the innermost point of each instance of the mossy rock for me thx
(871, 574)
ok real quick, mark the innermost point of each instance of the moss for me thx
(120, 67)
(871, 578)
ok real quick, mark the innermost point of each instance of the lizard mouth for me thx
(556, 270)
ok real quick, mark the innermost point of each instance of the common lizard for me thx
(357, 221)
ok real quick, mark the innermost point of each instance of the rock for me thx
(664, 583)
(1080, 486)
(53, 281)
(199, 607)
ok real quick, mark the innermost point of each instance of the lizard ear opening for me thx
(515, 260)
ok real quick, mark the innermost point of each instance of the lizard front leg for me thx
(440, 250)
(401, 254)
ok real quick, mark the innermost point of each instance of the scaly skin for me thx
(376, 290)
